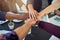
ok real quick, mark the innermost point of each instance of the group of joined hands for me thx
(34, 15)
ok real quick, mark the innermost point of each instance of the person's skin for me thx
(6, 8)
(49, 9)
(46, 28)
(32, 11)
(45, 11)
(11, 15)
(57, 12)
(23, 30)
(1, 36)
(53, 6)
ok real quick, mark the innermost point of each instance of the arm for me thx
(53, 29)
(30, 4)
(34, 4)
(19, 33)
(31, 9)
(57, 12)
(49, 9)
(8, 15)
(24, 29)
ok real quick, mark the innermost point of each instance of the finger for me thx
(29, 16)
(35, 15)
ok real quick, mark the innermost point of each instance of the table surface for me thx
(4, 26)
(36, 33)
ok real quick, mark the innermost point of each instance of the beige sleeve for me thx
(19, 2)
(12, 5)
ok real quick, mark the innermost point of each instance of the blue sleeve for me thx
(2, 15)
(11, 36)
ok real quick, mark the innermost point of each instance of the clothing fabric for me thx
(11, 35)
(10, 5)
(44, 4)
(50, 28)
(49, 2)
(4, 5)
(2, 16)
(36, 4)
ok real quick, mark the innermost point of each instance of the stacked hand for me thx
(33, 13)
(57, 12)
(33, 17)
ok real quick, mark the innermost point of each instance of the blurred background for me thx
(35, 33)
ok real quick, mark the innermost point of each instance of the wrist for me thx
(30, 7)
(29, 23)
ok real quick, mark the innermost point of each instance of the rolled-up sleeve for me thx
(2, 15)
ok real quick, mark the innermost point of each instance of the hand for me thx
(33, 13)
(31, 20)
(57, 12)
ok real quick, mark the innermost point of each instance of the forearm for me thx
(23, 30)
(8, 15)
(22, 16)
(48, 9)
(16, 16)
(30, 7)
(30, 3)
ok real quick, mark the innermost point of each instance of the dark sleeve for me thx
(11, 36)
(49, 2)
(52, 29)
(2, 15)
